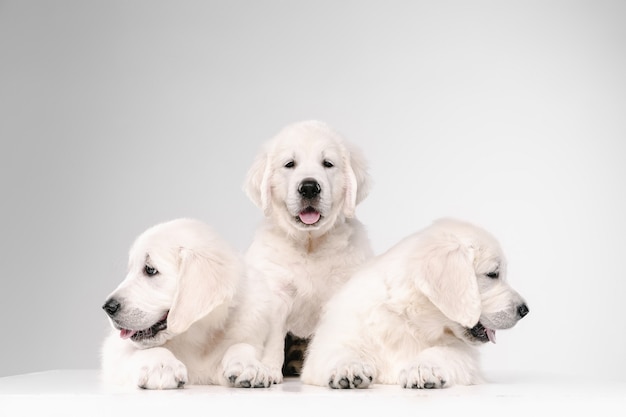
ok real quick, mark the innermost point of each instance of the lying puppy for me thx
(308, 182)
(413, 315)
(171, 313)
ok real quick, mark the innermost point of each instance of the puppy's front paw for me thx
(427, 376)
(168, 373)
(249, 374)
(275, 375)
(351, 375)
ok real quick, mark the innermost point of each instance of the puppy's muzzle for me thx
(111, 307)
(309, 188)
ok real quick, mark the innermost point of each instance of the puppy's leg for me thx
(426, 375)
(274, 353)
(154, 368)
(254, 343)
(351, 374)
(158, 368)
(339, 374)
(340, 354)
(442, 366)
(331, 365)
(242, 369)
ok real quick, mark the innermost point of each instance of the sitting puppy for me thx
(308, 182)
(171, 314)
(413, 315)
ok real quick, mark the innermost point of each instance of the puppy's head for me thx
(464, 275)
(178, 272)
(306, 177)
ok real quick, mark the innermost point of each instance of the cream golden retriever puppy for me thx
(308, 182)
(414, 315)
(177, 311)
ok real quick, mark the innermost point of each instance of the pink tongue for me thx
(309, 216)
(491, 334)
(125, 333)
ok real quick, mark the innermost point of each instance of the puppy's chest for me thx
(309, 281)
(309, 284)
(310, 272)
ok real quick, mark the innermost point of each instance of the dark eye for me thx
(493, 275)
(290, 164)
(150, 271)
(327, 164)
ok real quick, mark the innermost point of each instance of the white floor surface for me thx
(80, 392)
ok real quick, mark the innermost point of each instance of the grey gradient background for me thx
(116, 115)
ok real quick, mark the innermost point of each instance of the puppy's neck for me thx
(320, 240)
(306, 241)
(313, 243)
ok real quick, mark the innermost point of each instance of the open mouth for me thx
(139, 335)
(309, 216)
(482, 333)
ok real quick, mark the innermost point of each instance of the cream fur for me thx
(405, 316)
(302, 264)
(201, 285)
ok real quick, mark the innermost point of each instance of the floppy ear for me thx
(358, 181)
(448, 279)
(204, 283)
(257, 184)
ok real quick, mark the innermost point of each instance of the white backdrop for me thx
(116, 115)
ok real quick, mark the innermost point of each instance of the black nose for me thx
(309, 188)
(111, 307)
(522, 310)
